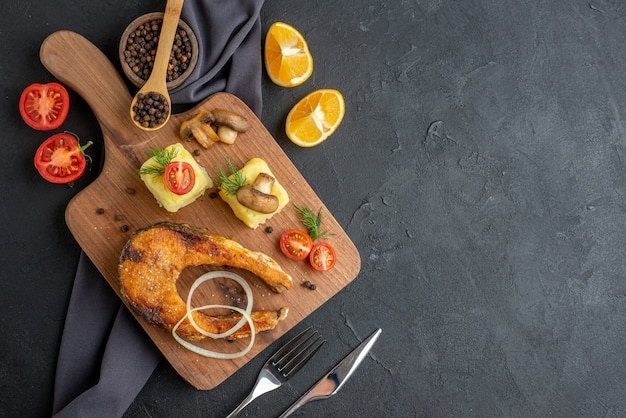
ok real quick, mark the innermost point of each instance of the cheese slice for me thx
(165, 198)
(250, 217)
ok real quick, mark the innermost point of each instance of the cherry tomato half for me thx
(296, 244)
(44, 106)
(322, 256)
(179, 177)
(60, 159)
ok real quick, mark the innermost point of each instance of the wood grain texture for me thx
(85, 69)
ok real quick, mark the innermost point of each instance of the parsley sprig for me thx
(162, 157)
(312, 222)
(233, 182)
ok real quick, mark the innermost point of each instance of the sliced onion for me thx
(210, 276)
(214, 354)
(246, 317)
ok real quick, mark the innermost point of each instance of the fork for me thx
(283, 365)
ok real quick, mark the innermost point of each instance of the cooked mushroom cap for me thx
(222, 117)
(257, 200)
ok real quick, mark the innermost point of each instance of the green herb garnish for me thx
(312, 222)
(229, 184)
(162, 158)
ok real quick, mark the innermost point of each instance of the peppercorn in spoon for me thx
(150, 109)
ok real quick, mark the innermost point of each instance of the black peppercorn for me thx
(151, 109)
(141, 48)
(309, 285)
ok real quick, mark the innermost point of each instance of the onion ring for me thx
(244, 312)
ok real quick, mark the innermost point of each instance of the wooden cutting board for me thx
(126, 202)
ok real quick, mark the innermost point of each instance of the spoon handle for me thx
(166, 37)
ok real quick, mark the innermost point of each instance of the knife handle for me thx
(330, 384)
(295, 406)
(319, 391)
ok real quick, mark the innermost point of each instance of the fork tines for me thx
(293, 355)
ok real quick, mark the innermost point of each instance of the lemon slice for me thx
(315, 117)
(288, 61)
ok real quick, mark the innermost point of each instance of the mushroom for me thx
(226, 134)
(231, 119)
(257, 196)
(217, 125)
(229, 124)
(199, 127)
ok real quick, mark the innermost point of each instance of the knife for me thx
(330, 384)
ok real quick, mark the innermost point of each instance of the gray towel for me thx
(229, 36)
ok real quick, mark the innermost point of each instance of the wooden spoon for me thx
(157, 82)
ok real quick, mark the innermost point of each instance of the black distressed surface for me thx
(480, 170)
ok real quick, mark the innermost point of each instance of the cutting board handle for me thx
(82, 67)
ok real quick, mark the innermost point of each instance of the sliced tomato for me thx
(60, 159)
(296, 244)
(179, 177)
(44, 106)
(322, 257)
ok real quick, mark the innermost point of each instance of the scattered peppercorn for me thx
(100, 211)
(151, 109)
(269, 229)
(130, 190)
(213, 195)
(309, 285)
(141, 48)
(124, 228)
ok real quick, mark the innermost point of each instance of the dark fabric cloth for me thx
(105, 358)
(229, 36)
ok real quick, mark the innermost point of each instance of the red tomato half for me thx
(322, 256)
(296, 244)
(179, 177)
(44, 106)
(60, 159)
